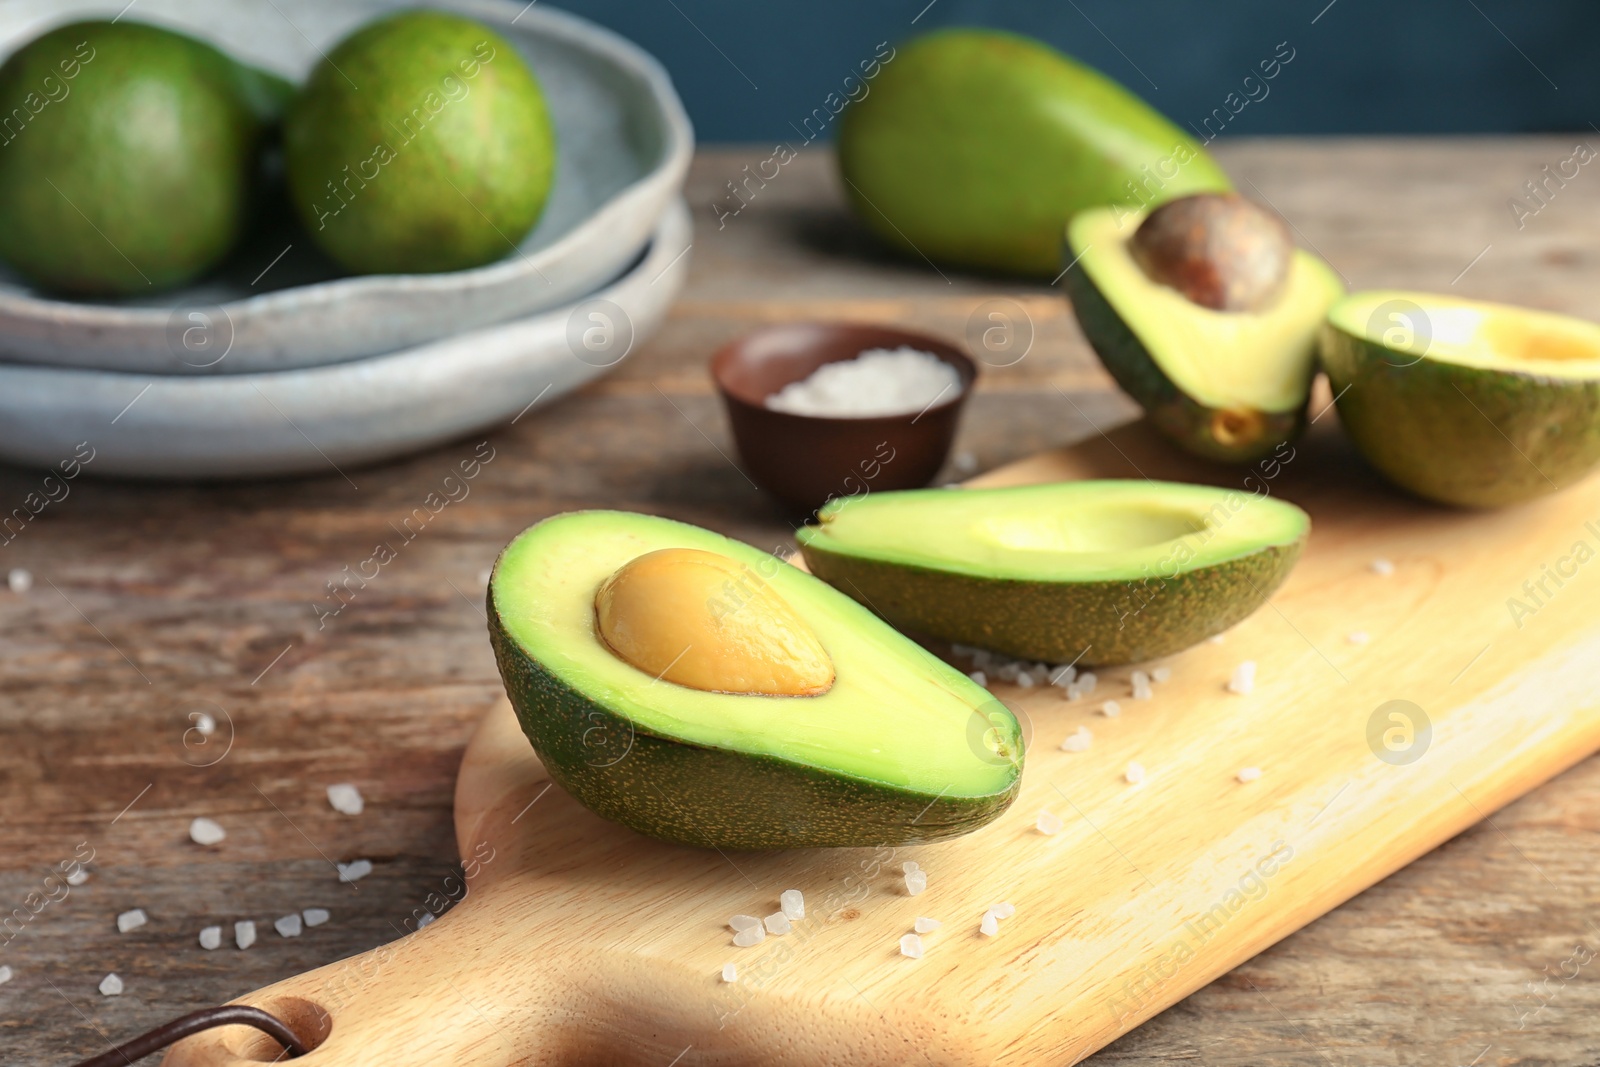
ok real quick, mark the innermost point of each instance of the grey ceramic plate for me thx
(330, 419)
(625, 144)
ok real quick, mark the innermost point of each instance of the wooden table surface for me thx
(153, 601)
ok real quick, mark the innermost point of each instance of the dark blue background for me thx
(747, 69)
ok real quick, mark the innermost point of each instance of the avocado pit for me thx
(701, 620)
(1219, 250)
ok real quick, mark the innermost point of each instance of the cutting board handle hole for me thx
(310, 1022)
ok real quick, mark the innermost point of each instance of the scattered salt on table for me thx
(1141, 686)
(878, 381)
(777, 923)
(911, 945)
(19, 580)
(1078, 741)
(1111, 709)
(1064, 676)
(1381, 567)
(792, 903)
(1134, 774)
(1087, 681)
(78, 877)
(131, 920)
(5, 974)
(426, 920)
(910, 865)
(345, 799)
(204, 831)
(1004, 910)
(1357, 637)
(354, 871)
(925, 925)
(211, 937)
(916, 882)
(111, 986)
(288, 926)
(1160, 674)
(750, 935)
(1244, 678)
(744, 922)
(244, 933)
(315, 916)
(980, 678)
(730, 973)
(1048, 822)
(990, 925)
(1249, 774)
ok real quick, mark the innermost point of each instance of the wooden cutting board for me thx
(581, 942)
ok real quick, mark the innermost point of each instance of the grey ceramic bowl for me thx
(625, 145)
(329, 419)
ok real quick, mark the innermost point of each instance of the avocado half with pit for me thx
(1219, 347)
(1092, 572)
(1464, 402)
(700, 690)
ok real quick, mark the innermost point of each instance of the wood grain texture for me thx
(583, 942)
(1457, 958)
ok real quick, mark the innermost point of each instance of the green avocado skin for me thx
(1090, 623)
(703, 796)
(1469, 436)
(974, 148)
(421, 144)
(1180, 417)
(135, 173)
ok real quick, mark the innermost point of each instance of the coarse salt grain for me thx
(1215, 639)
(19, 580)
(910, 865)
(1063, 676)
(750, 935)
(288, 926)
(211, 937)
(744, 922)
(1048, 822)
(204, 831)
(354, 871)
(426, 920)
(1161, 674)
(1141, 686)
(777, 923)
(1357, 637)
(980, 678)
(990, 925)
(111, 986)
(1249, 774)
(1111, 709)
(1134, 774)
(1004, 910)
(5, 974)
(315, 916)
(792, 903)
(131, 920)
(244, 933)
(1381, 567)
(911, 945)
(1078, 741)
(730, 973)
(204, 724)
(916, 882)
(877, 382)
(1244, 678)
(925, 925)
(1087, 681)
(345, 799)
(1072, 692)
(1025, 681)
(78, 877)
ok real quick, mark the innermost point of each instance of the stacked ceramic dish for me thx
(280, 364)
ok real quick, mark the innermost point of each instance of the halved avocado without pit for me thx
(700, 690)
(1464, 402)
(1227, 382)
(1093, 572)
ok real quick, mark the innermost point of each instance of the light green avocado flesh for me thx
(1464, 402)
(1097, 572)
(902, 748)
(1226, 385)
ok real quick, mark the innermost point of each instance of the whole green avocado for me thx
(128, 156)
(974, 147)
(422, 143)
